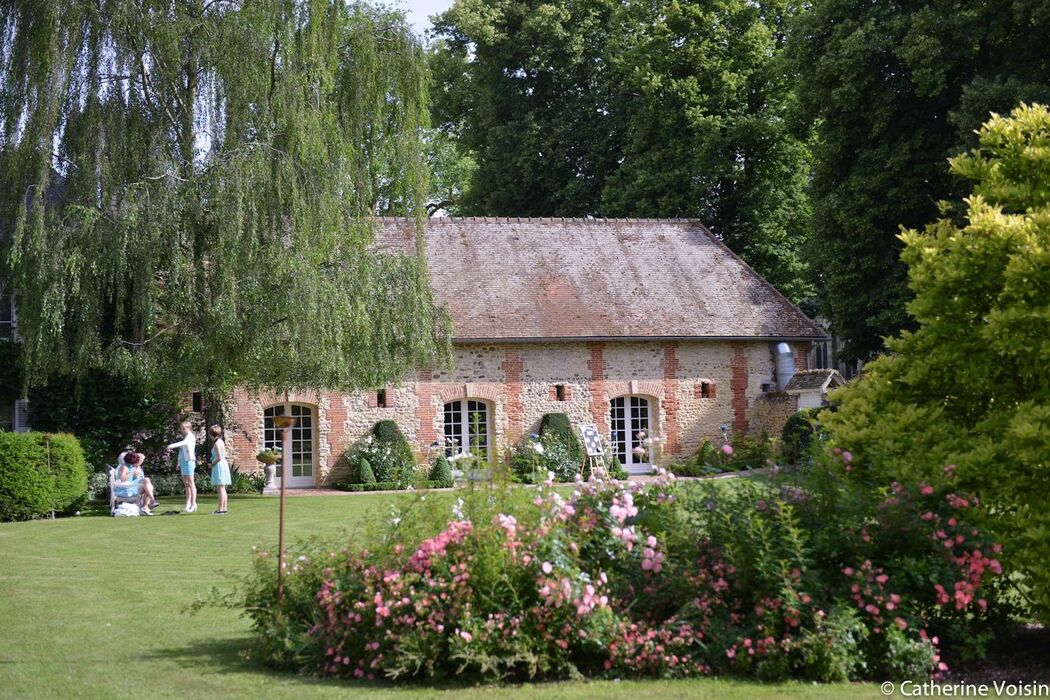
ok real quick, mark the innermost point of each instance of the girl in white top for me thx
(187, 464)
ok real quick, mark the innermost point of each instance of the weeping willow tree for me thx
(185, 188)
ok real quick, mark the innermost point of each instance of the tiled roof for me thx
(812, 379)
(509, 278)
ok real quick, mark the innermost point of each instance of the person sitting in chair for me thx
(132, 480)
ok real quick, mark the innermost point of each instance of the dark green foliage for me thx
(364, 473)
(891, 90)
(799, 432)
(558, 427)
(441, 472)
(40, 473)
(629, 109)
(107, 412)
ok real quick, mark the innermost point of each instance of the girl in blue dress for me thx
(220, 469)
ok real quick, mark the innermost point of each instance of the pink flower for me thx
(847, 456)
(547, 568)
(925, 489)
(727, 449)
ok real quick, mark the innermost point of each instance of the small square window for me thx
(381, 401)
(197, 402)
(559, 392)
(705, 390)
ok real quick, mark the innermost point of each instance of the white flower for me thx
(457, 509)
(538, 447)
(395, 521)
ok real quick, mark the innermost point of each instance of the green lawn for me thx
(95, 607)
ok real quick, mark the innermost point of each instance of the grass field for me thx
(96, 607)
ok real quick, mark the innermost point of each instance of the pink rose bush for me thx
(814, 575)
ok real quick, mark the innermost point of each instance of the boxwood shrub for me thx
(40, 473)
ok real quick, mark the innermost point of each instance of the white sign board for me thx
(592, 440)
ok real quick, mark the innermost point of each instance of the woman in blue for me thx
(187, 447)
(220, 470)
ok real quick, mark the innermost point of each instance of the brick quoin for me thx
(669, 365)
(801, 353)
(512, 372)
(336, 430)
(738, 385)
(596, 383)
(425, 411)
(242, 434)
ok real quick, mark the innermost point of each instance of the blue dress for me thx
(131, 487)
(220, 472)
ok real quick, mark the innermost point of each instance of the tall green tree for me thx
(639, 108)
(889, 92)
(186, 185)
(970, 387)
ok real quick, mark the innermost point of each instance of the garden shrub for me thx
(387, 452)
(388, 486)
(365, 475)
(441, 472)
(40, 473)
(818, 575)
(969, 386)
(798, 434)
(558, 428)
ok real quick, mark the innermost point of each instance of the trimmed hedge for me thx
(387, 486)
(40, 473)
(798, 433)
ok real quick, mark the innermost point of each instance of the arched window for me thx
(467, 427)
(296, 445)
(629, 416)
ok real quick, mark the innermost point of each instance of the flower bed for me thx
(819, 576)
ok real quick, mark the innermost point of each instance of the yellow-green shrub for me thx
(970, 387)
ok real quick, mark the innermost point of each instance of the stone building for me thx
(627, 324)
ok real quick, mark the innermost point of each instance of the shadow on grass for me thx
(233, 656)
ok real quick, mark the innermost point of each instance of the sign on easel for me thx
(592, 440)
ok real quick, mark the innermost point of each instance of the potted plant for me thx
(269, 458)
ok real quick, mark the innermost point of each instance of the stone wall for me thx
(695, 387)
(771, 411)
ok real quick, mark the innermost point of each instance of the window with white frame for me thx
(467, 428)
(822, 358)
(14, 415)
(8, 321)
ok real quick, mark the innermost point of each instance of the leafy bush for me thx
(540, 457)
(969, 386)
(558, 428)
(387, 452)
(388, 486)
(107, 412)
(742, 453)
(798, 434)
(40, 473)
(821, 576)
(441, 472)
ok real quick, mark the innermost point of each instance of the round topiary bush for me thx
(364, 473)
(40, 473)
(441, 472)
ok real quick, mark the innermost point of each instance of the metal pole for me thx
(280, 526)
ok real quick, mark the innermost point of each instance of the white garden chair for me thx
(115, 498)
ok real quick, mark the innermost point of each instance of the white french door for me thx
(296, 444)
(629, 416)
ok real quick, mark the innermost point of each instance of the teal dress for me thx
(220, 472)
